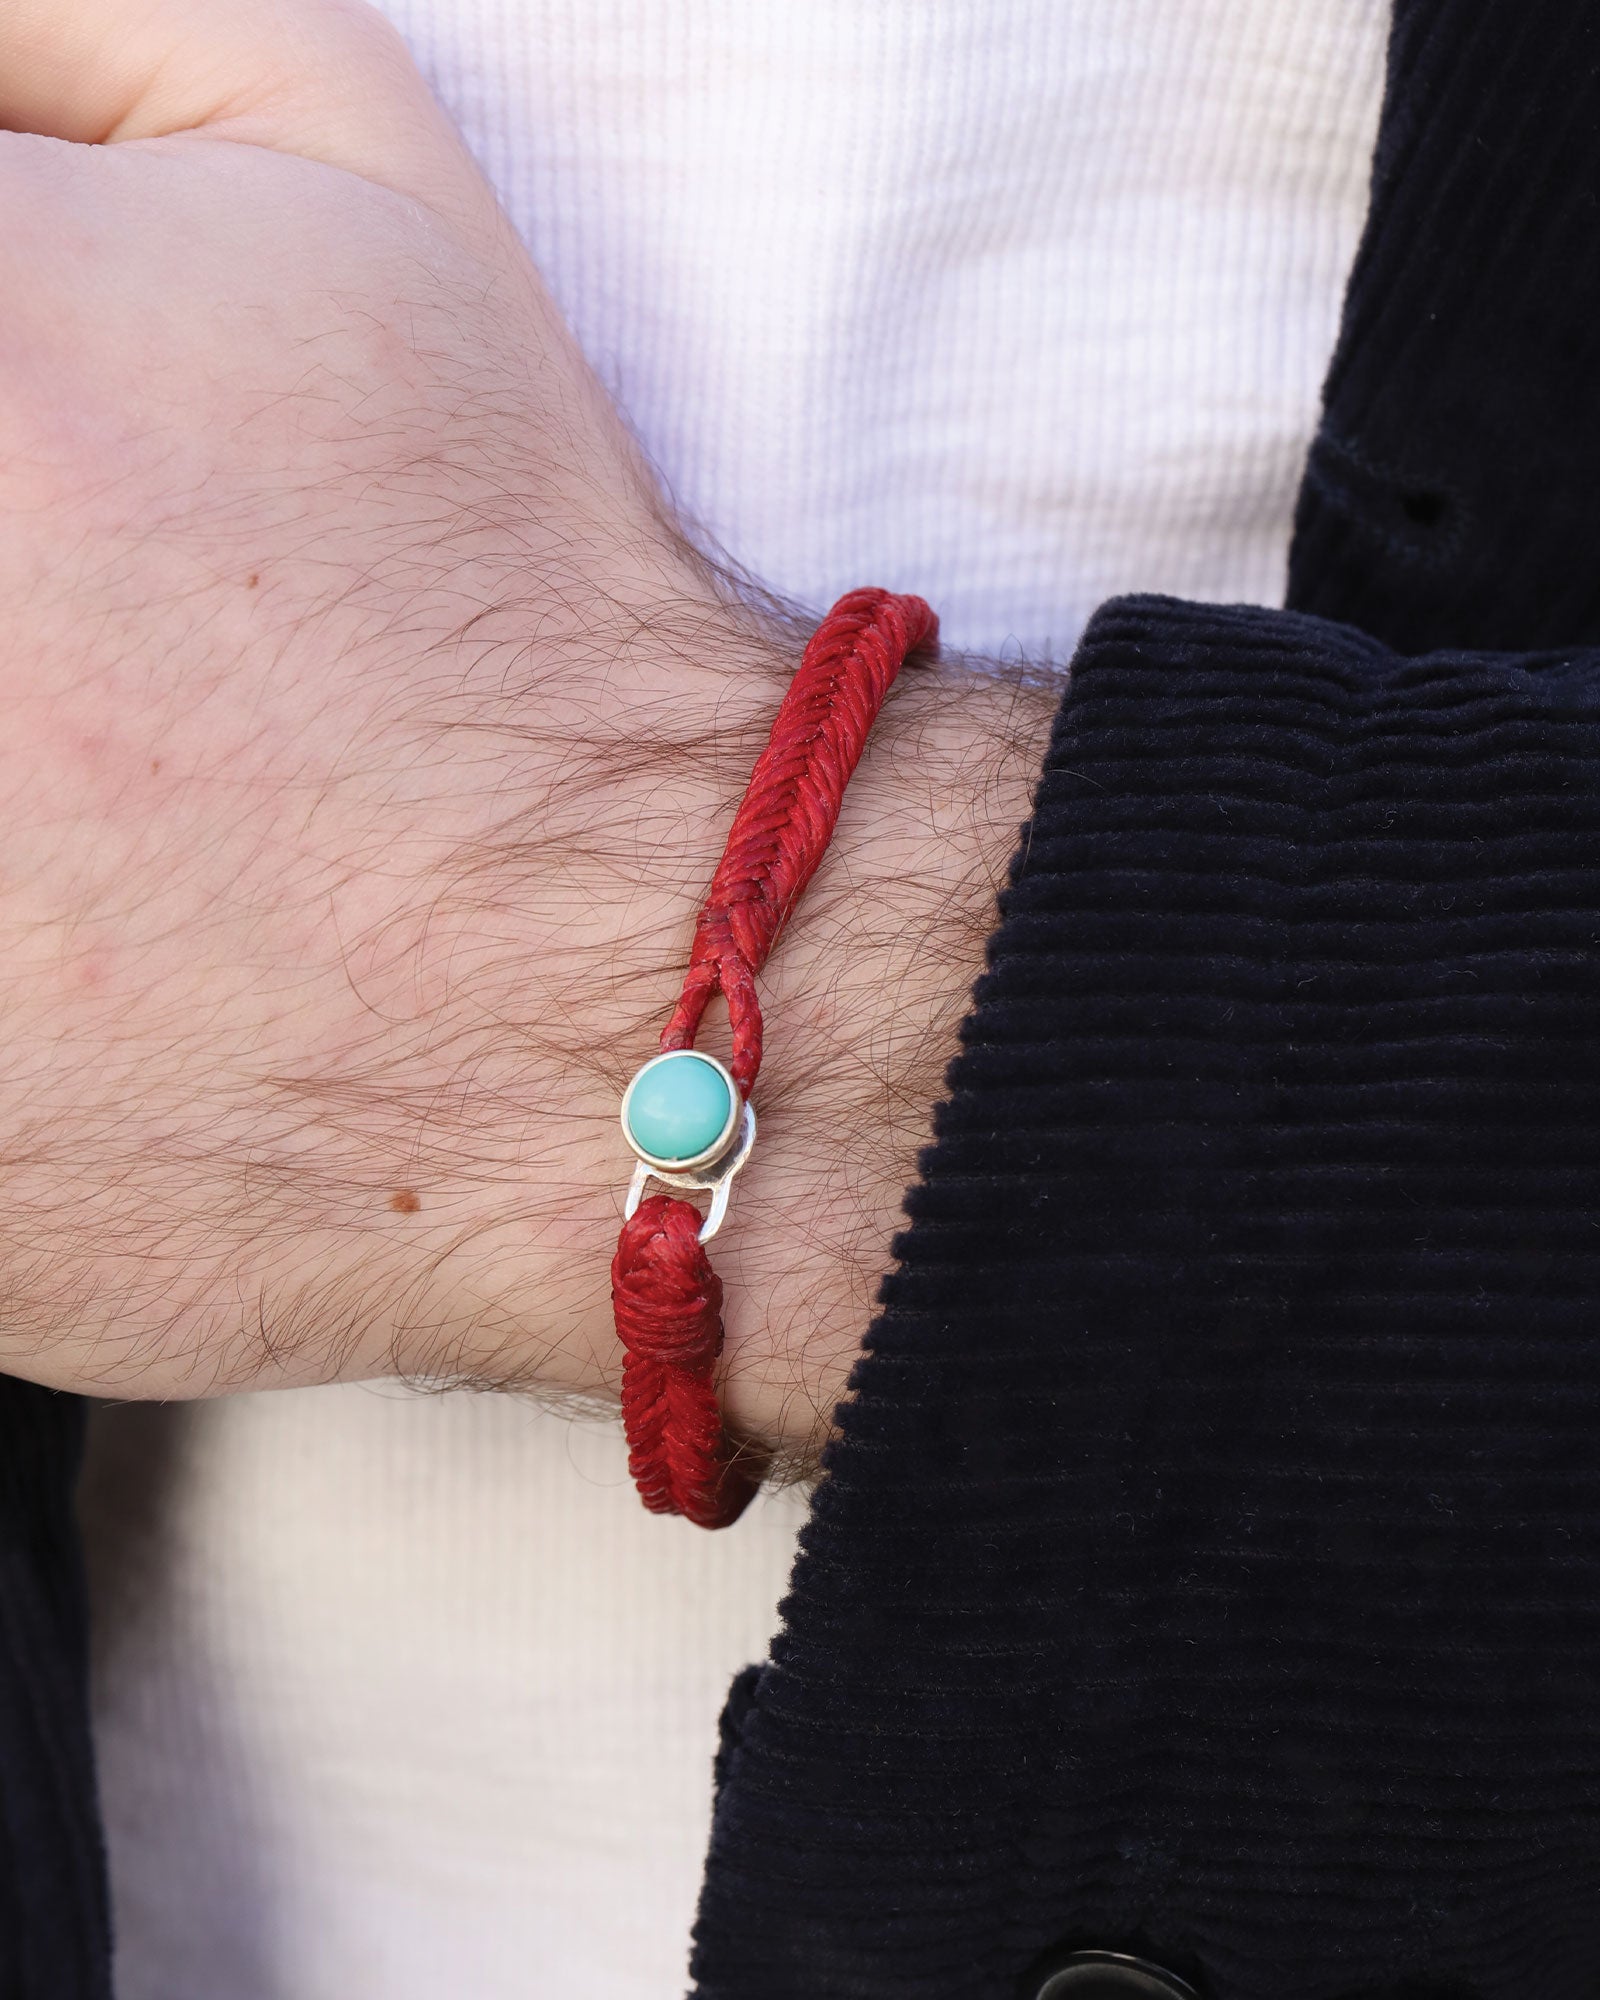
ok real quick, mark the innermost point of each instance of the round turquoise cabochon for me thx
(678, 1108)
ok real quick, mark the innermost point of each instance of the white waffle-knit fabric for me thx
(1016, 303)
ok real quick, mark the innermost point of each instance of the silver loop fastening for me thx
(715, 1178)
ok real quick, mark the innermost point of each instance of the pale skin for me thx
(371, 736)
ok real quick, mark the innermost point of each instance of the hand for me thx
(371, 738)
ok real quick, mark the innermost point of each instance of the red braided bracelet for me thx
(686, 1115)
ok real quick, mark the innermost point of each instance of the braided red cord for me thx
(783, 827)
(667, 1298)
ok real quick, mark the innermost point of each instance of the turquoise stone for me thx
(679, 1108)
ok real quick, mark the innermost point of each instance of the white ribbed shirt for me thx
(1015, 303)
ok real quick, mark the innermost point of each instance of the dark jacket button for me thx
(1107, 1975)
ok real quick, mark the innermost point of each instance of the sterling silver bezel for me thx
(724, 1140)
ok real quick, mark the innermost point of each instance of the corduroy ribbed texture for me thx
(54, 1934)
(1449, 498)
(1209, 1562)
(1212, 1557)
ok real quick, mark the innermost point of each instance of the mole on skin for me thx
(405, 1201)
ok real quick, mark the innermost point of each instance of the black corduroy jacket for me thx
(1208, 1566)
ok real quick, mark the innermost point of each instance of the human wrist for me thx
(862, 999)
(466, 926)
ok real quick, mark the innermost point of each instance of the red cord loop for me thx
(666, 1297)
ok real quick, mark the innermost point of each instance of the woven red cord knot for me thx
(668, 1305)
(667, 1298)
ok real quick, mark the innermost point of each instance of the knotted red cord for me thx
(667, 1298)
